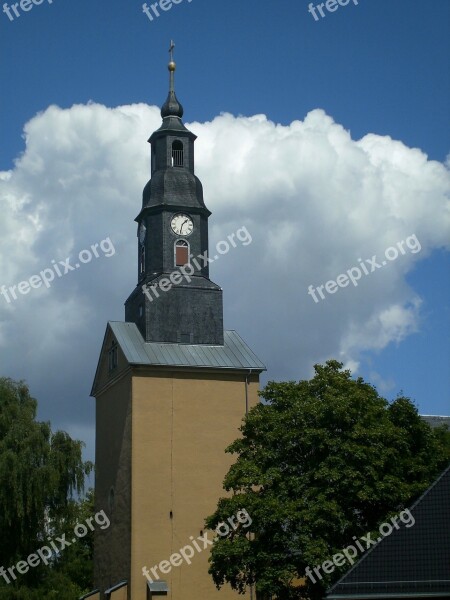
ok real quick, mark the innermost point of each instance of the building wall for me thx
(113, 474)
(120, 594)
(181, 424)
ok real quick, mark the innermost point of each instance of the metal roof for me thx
(234, 354)
(88, 595)
(158, 586)
(116, 587)
(436, 421)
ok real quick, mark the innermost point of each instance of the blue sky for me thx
(378, 67)
(375, 67)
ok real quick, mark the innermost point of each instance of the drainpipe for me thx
(246, 413)
(246, 391)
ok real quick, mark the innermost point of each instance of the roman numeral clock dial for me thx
(182, 224)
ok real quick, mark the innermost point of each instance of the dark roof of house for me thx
(234, 354)
(411, 562)
(435, 420)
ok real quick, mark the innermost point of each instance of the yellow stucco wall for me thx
(112, 548)
(160, 441)
(181, 424)
(94, 596)
(120, 594)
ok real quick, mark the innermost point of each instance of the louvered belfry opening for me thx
(177, 154)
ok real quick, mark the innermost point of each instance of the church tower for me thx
(171, 389)
(173, 238)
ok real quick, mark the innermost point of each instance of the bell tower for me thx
(171, 390)
(174, 300)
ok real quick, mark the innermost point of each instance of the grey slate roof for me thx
(435, 420)
(234, 354)
(411, 562)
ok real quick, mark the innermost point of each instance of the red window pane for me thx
(181, 256)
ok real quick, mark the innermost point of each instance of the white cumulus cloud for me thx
(314, 201)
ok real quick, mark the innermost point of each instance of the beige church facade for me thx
(171, 390)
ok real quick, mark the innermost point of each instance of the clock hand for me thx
(182, 225)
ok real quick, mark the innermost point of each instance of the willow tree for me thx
(40, 473)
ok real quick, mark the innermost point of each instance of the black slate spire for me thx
(172, 107)
(174, 300)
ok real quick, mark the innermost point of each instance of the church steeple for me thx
(174, 301)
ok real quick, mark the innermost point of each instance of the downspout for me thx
(246, 395)
(246, 413)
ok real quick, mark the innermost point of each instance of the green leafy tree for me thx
(70, 574)
(41, 472)
(76, 562)
(320, 462)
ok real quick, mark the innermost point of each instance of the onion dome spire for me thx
(171, 107)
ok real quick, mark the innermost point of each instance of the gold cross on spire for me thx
(171, 49)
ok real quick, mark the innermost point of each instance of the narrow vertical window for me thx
(142, 260)
(181, 253)
(112, 356)
(177, 154)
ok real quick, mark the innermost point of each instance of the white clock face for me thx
(182, 224)
(142, 232)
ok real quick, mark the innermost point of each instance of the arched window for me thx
(181, 253)
(177, 154)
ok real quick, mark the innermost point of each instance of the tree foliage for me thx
(41, 474)
(76, 563)
(320, 462)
